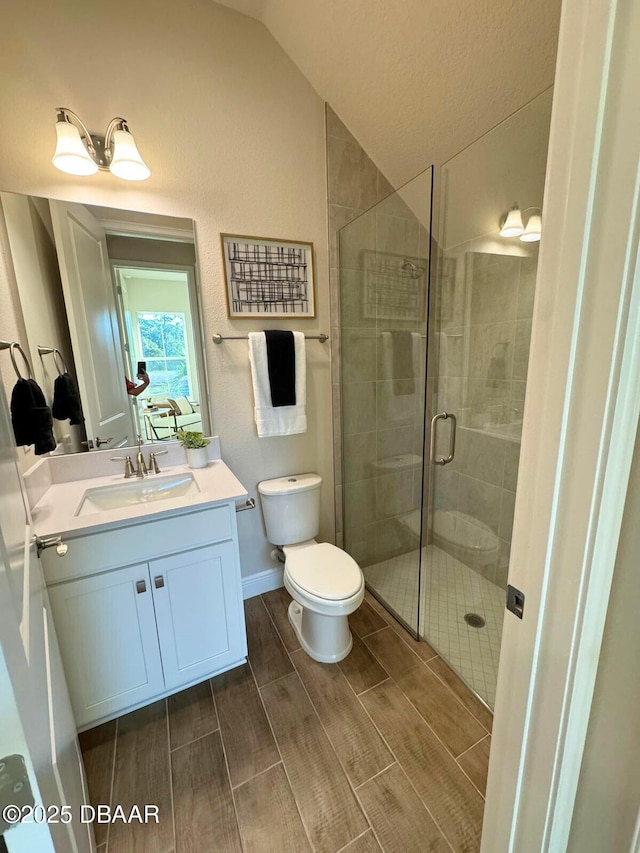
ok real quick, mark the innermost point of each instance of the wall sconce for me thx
(79, 152)
(512, 225)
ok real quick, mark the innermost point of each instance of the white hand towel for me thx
(281, 420)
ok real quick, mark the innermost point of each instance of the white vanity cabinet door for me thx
(107, 634)
(199, 614)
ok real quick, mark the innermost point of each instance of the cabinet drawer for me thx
(99, 552)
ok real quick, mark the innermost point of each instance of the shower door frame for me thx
(428, 385)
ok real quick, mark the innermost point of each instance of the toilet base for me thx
(326, 639)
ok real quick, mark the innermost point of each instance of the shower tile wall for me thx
(354, 184)
(486, 309)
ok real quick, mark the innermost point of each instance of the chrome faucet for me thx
(141, 469)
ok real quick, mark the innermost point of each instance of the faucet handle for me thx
(153, 465)
(128, 465)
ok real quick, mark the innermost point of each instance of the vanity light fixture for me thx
(512, 225)
(79, 152)
(533, 232)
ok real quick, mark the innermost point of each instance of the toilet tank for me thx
(291, 508)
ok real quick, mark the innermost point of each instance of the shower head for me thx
(411, 268)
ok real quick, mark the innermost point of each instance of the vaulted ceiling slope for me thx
(417, 80)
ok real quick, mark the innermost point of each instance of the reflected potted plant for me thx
(195, 445)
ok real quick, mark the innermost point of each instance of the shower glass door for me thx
(384, 309)
(483, 289)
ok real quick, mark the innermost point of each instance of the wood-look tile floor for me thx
(385, 751)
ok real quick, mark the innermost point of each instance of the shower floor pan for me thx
(450, 591)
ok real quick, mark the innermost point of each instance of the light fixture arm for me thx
(117, 123)
(99, 147)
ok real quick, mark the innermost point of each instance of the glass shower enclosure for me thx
(434, 351)
(384, 309)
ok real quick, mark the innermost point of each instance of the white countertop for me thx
(54, 514)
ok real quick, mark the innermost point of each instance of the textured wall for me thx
(234, 136)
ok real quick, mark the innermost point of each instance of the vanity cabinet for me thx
(133, 633)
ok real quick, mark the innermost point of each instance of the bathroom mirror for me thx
(105, 294)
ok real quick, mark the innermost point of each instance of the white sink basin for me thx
(145, 491)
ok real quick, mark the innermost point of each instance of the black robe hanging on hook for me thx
(31, 417)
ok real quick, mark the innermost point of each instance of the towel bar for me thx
(56, 355)
(217, 339)
(250, 504)
(13, 346)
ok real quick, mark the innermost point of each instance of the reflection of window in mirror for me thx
(162, 343)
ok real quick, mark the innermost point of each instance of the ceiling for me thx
(417, 80)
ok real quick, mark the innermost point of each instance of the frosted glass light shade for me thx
(513, 226)
(533, 231)
(126, 161)
(71, 156)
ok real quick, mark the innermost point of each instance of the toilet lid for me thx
(325, 571)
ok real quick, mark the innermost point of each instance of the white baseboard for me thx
(261, 582)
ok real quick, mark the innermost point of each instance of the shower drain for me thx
(475, 620)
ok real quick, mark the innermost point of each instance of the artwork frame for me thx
(267, 277)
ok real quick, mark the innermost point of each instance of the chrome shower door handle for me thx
(443, 416)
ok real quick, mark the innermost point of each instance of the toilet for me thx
(326, 584)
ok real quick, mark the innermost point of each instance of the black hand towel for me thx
(403, 367)
(31, 417)
(281, 361)
(66, 400)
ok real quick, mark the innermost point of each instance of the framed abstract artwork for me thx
(268, 278)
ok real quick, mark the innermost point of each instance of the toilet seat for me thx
(324, 572)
